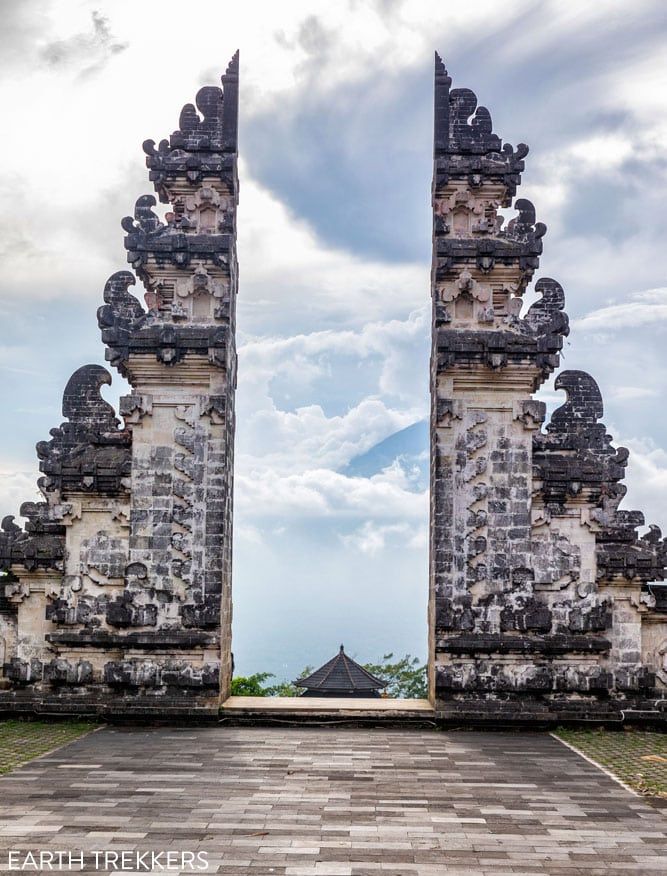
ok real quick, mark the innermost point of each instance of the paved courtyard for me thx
(331, 802)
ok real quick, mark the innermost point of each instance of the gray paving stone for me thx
(322, 802)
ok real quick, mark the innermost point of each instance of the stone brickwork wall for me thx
(539, 605)
(120, 598)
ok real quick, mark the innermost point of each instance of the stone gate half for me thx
(539, 598)
(120, 598)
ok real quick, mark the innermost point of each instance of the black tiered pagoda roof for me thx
(341, 677)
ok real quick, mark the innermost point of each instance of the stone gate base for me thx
(129, 709)
(499, 714)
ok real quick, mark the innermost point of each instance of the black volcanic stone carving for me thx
(576, 454)
(173, 673)
(498, 348)
(204, 615)
(124, 612)
(60, 672)
(119, 317)
(582, 409)
(40, 545)
(158, 591)
(147, 237)
(546, 316)
(465, 146)
(143, 639)
(89, 453)
(23, 672)
(470, 126)
(491, 570)
(503, 643)
(203, 145)
(524, 226)
(127, 328)
(520, 243)
(119, 611)
(487, 676)
(519, 629)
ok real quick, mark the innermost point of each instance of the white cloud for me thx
(86, 51)
(372, 538)
(18, 484)
(386, 365)
(322, 493)
(294, 440)
(644, 308)
(647, 480)
(291, 279)
(397, 348)
(247, 533)
(261, 355)
(628, 393)
(601, 153)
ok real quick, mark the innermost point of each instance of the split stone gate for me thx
(118, 599)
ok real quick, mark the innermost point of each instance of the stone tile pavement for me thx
(332, 802)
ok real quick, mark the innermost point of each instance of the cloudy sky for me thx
(334, 247)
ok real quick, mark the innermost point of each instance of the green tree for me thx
(406, 676)
(288, 688)
(251, 685)
(285, 689)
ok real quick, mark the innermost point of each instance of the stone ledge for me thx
(158, 639)
(523, 710)
(162, 709)
(314, 709)
(507, 644)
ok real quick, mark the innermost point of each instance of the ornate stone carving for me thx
(119, 318)
(575, 453)
(41, 544)
(447, 409)
(88, 453)
(134, 407)
(530, 413)
(465, 147)
(204, 145)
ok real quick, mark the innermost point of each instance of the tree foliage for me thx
(251, 685)
(406, 675)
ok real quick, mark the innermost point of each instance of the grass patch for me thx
(637, 757)
(21, 741)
